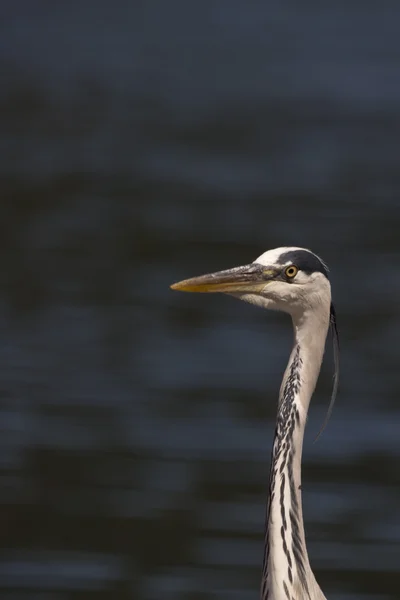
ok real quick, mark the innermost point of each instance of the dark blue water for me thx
(143, 142)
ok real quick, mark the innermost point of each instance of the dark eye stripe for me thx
(305, 261)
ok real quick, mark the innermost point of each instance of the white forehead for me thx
(271, 257)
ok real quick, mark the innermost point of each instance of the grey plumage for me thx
(293, 280)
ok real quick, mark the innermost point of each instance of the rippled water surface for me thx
(143, 143)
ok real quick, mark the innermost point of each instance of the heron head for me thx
(292, 280)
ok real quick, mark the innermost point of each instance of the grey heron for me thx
(293, 280)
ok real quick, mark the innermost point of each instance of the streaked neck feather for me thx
(287, 574)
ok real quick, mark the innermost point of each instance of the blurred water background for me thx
(151, 140)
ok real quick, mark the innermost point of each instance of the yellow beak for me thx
(249, 278)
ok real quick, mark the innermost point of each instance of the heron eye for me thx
(291, 271)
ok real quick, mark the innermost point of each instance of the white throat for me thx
(286, 571)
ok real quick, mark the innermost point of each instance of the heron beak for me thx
(246, 279)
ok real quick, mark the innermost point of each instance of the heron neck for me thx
(286, 570)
